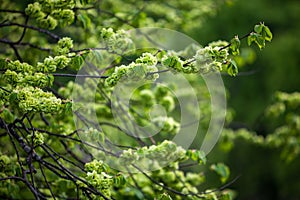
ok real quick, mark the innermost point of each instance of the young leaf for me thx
(226, 196)
(7, 115)
(232, 68)
(119, 179)
(250, 39)
(164, 196)
(68, 107)
(222, 170)
(3, 63)
(13, 97)
(197, 155)
(85, 20)
(235, 45)
(268, 33)
(258, 39)
(97, 55)
(258, 28)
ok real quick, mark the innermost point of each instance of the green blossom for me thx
(20, 67)
(37, 137)
(117, 42)
(147, 58)
(63, 46)
(167, 124)
(33, 10)
(30, 99)
(48, 14)
(168, 103)
(173, 62)
(47, 23)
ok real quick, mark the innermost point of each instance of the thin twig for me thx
(54, 36)
(12, 11)
(79, 75)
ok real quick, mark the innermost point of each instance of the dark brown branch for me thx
(243, 37)
(13, 135)
(6, 41)
(54, 36)
(24, 31)
(12, 11)
(47, 183)
(80, 75)
(159, 184)
(16, 53)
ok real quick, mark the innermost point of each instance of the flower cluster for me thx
(177, 179)
(173, 62)
(50, 64)
(214, 57)
(117, 42)
(63, 46)
(260, 35)
(164, 97)
(147, 97)
(98, 177)
(18, 73)
(147, 157)
(34, 79)
(285, 103)
(144, 67)
(228, 137)
(36, 137)
(167, 124)
(286, 106)
(30, 99)
(17, 66)
(49, 14)
(97, 174)
(207, 59)
(95, 135)
(211, 57)
(171, 175)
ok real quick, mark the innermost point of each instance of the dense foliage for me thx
(51, 149)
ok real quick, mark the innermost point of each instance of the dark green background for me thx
(277, 68)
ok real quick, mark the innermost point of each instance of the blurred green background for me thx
(262, 174)
(276, 68)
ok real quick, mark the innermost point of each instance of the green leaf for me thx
(258, 39)
(139, 70)
(137, 193)
(232, 68)
(250, 39)
(98, 56)
(84, 2)
(167, 62)
(164, 196)
(119, 179)
(261, 34)
(3, 63)
(68, 107)
(85, 20)
(222, 170)
(226, 196)
(235, 45)
(197, 155)
(77, 62)
(268, 33)
(258, 28)
(50, 78)
(7, 115)
(13, 97)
